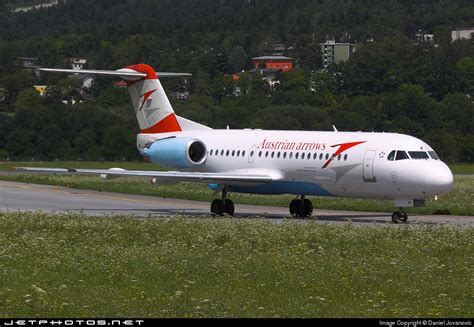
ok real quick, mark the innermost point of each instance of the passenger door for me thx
(368, 167)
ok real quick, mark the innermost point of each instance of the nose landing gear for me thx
(301, 207)
(399, 217)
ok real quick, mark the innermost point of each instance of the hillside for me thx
(393, 82)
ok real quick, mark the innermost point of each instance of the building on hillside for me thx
(79, 64)
(276, 49)
(424, 38)
(74, 96)
(335, 53)
(270, 75)
(75, 63)
(466, 33)
(273, 62)
(41, 89)
(87, 81)
(180, 93)
(29, 63)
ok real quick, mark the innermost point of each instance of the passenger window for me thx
(297, 155)
(391, 155)
(284, 155)
(345, 157)
(227, 153)
(210, 153)
(243, 153)
(315, 156)
(278, 155)
(238, 153)
(320, 156)
(273, 154)
(222, 152)
(251, 153)
(291, 155)
(260, 154)
(401, 155)
(327, 156)
(339, 157)
(233, 153)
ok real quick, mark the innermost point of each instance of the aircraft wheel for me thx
(217, 207)
(396, 217)
(399, 217)
(403, 217)
(308, 208)
(294, 208)
(229, 207)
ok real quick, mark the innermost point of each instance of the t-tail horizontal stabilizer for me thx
(125, 73)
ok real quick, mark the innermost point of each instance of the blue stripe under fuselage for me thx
(280, 187)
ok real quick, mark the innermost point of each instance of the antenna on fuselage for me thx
(334, 128)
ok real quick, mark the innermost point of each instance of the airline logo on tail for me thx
(145, 96)
(152, 107)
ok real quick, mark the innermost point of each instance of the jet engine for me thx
(178, 152)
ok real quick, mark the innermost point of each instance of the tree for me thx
(118, 144)
(465, 66)
(52, 95)
(237, 58)
(28, 98)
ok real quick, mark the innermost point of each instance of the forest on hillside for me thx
(394, 82)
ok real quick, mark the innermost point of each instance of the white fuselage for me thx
(360, 166)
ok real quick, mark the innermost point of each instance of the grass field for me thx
(458, 201)
(75, 266)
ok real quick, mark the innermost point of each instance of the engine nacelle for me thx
(179, 152)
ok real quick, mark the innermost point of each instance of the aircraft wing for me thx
(228, 178)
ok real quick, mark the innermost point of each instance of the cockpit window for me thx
(391, 156)
(418, 155)
(401, 155)
(433, 155)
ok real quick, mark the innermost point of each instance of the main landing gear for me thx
(399, 216)
(301, 207)
(222, 206)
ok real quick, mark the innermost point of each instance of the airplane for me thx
(365, 165)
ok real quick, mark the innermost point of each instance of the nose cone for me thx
(441, 179)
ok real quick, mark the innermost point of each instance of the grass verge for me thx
(75, 266)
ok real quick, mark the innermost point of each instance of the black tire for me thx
(294, 208)
(217, 207)
(229, 207)
(300, 212)
(396, 217)
(403, 217)
(308, 207)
